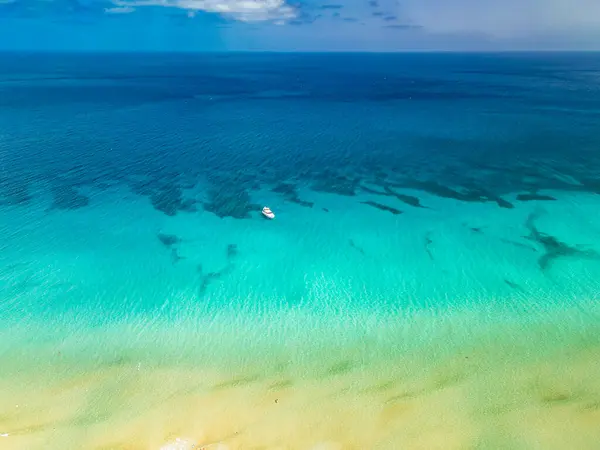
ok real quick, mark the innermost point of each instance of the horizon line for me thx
(292, 52)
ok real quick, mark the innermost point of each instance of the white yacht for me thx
(266, 211)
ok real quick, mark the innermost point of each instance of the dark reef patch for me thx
(534, 197)
(335, 184)
(205, 279)
(188, 205)
(165, 193)
(325, 209)
(408, 199)
(513, 285)
(167, 199)
(175, 257)
(66, 197)
(356, 247)
(503, 203)
(382, 207)
(469, 192)
(285, 189)
(518, 244)
(290, 193)
(428, 242)
(439, 190)
(553, 248)
(14, 192)
(168, 240)
(230, 201)
(232, 251)
(372, 191)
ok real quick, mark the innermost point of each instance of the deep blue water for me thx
(472, 127)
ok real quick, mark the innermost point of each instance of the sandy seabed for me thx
(499, 383)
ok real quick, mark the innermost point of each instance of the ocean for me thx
(430, 281)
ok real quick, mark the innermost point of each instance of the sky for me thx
(299, 25)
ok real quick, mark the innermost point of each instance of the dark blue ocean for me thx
(430, 280)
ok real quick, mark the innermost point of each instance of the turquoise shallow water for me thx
(451, 254)
(430, 280)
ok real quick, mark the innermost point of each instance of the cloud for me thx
(242, 10)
